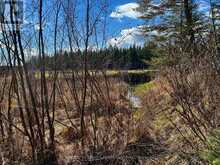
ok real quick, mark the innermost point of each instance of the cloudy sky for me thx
(122, 19)
(125, 22)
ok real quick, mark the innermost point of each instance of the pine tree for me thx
(176, 20)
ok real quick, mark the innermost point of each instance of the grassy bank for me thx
(96, 72)
(141, 88)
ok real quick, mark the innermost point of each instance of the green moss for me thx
(161, 122)
(138, 114)
(216, 161)
(139, 89)
(212, 152)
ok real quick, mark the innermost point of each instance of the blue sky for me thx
(126, 21)
(122, 22)
(123, 25)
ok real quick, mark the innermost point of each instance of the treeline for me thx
(109, 58)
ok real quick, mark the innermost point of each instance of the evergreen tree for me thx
(176, 20)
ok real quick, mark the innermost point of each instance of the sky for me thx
(124, 21)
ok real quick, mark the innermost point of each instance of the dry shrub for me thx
(182, 107)
(193, 100)
(194, 87)
(108, 119)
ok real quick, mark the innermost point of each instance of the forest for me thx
(109, 58)
(110, 82)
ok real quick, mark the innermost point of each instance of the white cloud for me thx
(136, 36)
(126, 10)
(127, 37)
